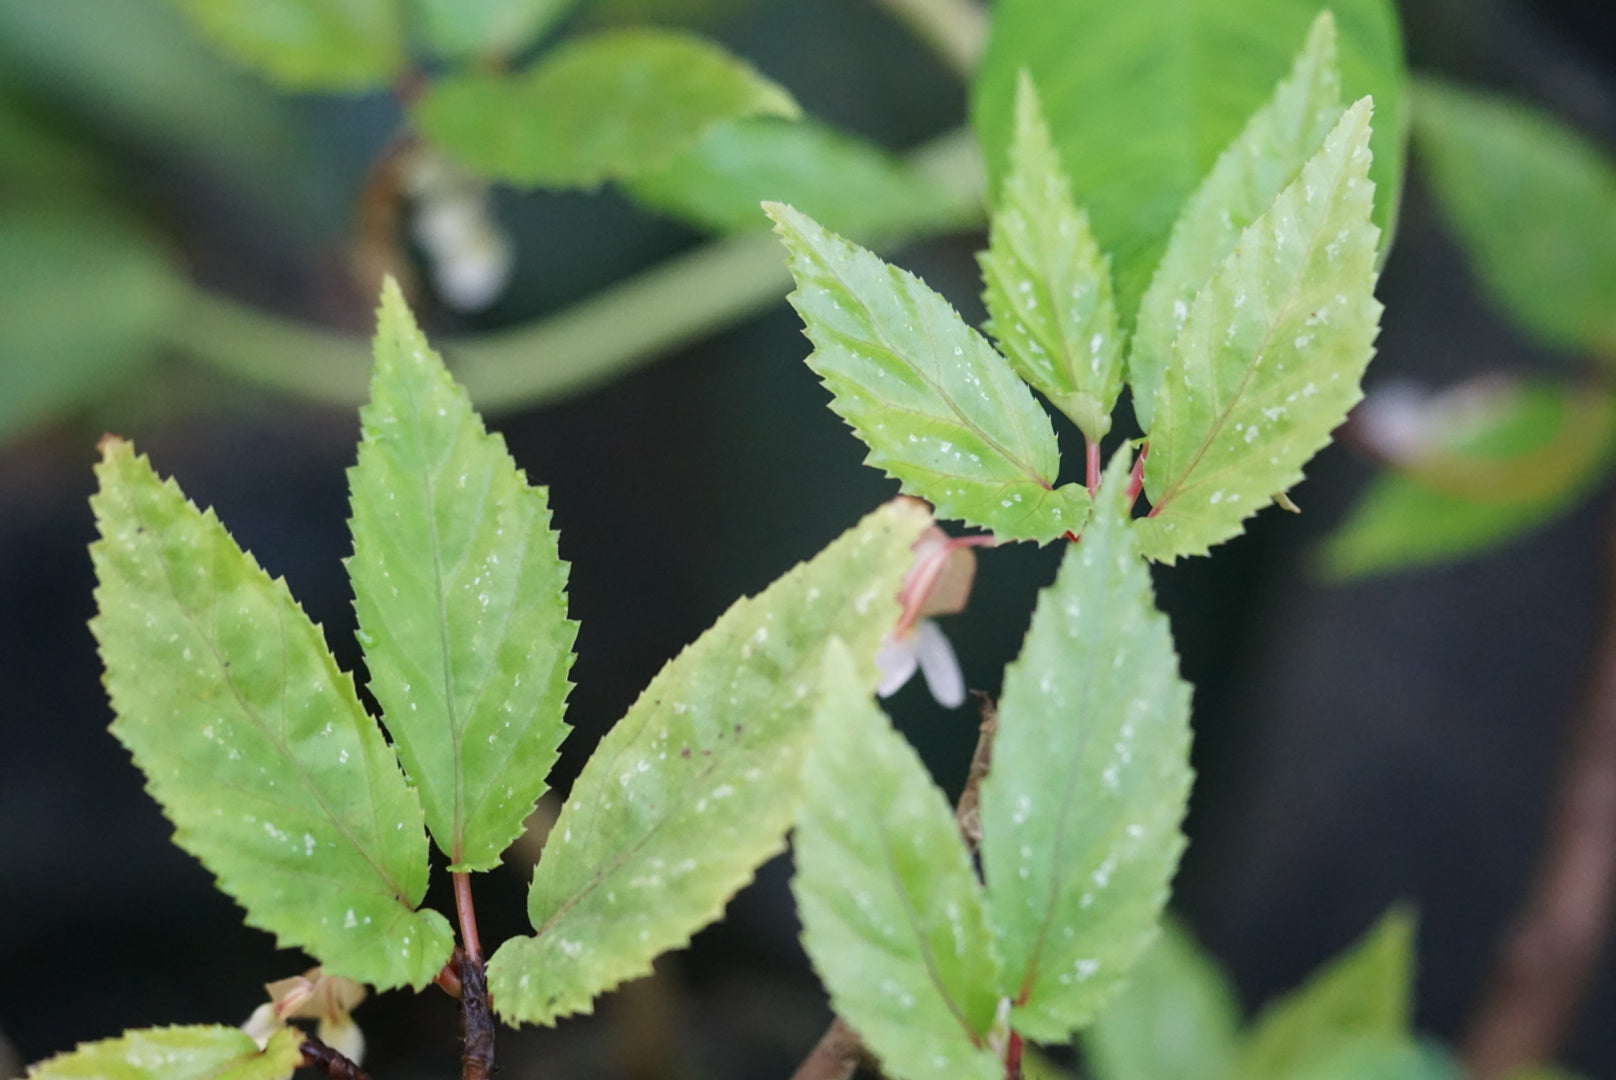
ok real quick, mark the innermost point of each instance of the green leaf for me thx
(1534, 203)
(201, 1052)
(892, 912)
(85, 292)
(939, 409)
(696, 784)
(853, 186)
(1269, 154)
(1142, 98)
(1081, 812)
(1543, 1072)
(1528, 452)
(1363, 993)
(1046, 285)
(461, 596)
(251, 739)
(1176, 1016)
(1381, 1059)
(307, 44)
(486, 28)
(1270, 355)
(605, 107)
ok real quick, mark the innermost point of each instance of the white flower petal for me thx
(938, 664)
(896, 661)
(344, 1037)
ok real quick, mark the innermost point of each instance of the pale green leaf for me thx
(1268, 154)
(486, 28)
(853, 186)
(1081, 812)
(893, 915)
(461, 597)
(1142, 97)
(1270, 355)
(696, 785)
(308, 44)
(1534, 203)
(1364, 993)
(200, 1052)
(1529, 452)
(939, 409)
(605, 107)
(1176, 1016)
(1046, 284)
(84, 294)
(252, 740)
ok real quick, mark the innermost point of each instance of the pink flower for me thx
(938, 583)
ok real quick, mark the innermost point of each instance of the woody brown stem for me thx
(317, 1055)
(476, 1019)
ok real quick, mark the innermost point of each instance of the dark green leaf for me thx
(1143, 97)
(892, 912)
(606, 107)
(251, 739)
(1534, 203)
(939, 409)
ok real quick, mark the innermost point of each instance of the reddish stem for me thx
(925, 576)
(1136, 478)
(468, 917)
(1012, 1058)
(1093, 464)
(317, 1055)
(448, 980)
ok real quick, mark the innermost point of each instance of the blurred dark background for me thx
(1356, 745)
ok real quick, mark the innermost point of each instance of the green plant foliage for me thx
(1535, 205)
(178, 1053)
(1047, 287)
(1363, 994)
(308, 44)
(609, 106)
(1142, 98)
(1381, 1059)
(58, 262)
(1543, 1072)
(461, 596)
(696, 784)
(485, 28)
(853, 186)
(892, 912)
(1269, 154)
(1176, 1016)
(939, 409)
(1081, 812)
(1510, 467)
(1270, 355)
(251, 738)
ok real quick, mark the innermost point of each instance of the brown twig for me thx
(317, 1055)
(1551, 953)
(838, 1052)
(476, 1019)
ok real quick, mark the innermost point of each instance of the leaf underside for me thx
(200, 1052)
(696, 785)
(605, 107)
(1081, 811)
(893, 915)
(940, 410)
(461, 596)
(1141, 98)
(252, 740)
(1270, 354)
